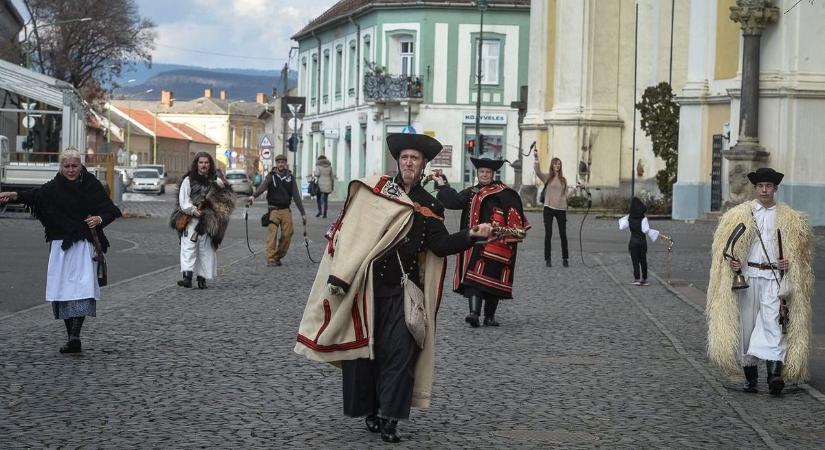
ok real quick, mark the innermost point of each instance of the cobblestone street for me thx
(582, 359)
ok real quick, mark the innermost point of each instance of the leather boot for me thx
(73, 328)
(187, 279)
(775, 381)
(373, 423)
(751, 377)
(490, 306)
(389, 431)
(475, 311)
(201, 282)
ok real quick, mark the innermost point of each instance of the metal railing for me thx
(388, 87)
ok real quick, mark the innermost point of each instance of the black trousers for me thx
(383, 385)
(638, 255)
(561, 216)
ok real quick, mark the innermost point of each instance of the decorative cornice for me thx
(753, 16)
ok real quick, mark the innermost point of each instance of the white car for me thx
(147, 180)
(239, 182)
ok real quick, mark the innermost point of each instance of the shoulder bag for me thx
(415, 313)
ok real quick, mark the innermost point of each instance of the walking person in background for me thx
(324, 175)
(201, 216)
(281, 190)
(72, 206)
(554, 199)
(639, 228)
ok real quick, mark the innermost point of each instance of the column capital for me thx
(753, 15)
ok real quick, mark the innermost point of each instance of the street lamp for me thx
(482, 6)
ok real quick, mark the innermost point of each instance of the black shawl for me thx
(62, 206)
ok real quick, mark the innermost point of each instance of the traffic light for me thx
(482, 143)
(292, 143)
(28, 144)
(471, 145)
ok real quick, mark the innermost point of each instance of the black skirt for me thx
(384, 385)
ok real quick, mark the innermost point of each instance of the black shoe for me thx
(548, 263)
(490, 322)
(202, 283)
(73, 346)
(475, 311)
(565, 263)
(490, 307)
(775, 381)
(389, 431)
(373, 423)
(752, 378)
(187, 280)
(319, 214)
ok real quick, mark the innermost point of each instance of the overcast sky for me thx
(241, 28)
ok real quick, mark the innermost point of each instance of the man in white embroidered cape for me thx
(354, 316)
(744, 328)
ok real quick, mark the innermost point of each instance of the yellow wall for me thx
(727, 42)
(551, 54)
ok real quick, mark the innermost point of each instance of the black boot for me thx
(751, 377)
(490, 306)
(389, 431)
(201, 282)
(475, 311)
(187, 279)
(775, 381)
(373, 423)
(73, 326)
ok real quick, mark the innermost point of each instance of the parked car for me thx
(161, 169)
(239, 181)
(147, 180)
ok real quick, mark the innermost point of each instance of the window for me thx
(339, 70)
(247, 138)
(407, 57)
(489, 61)
(325, 69)
(306, 76)
(352, 81)
(313, 77)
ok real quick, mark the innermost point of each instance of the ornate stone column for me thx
(753, 16)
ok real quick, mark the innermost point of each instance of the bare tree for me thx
(88, 54)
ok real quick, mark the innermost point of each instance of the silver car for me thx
(239, 182)
(147, 180)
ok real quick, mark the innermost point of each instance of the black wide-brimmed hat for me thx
(766, 175)
(485, 162)
(409, 139)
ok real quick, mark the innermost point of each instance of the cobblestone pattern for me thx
(576, 363)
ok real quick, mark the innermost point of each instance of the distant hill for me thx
(188, 82)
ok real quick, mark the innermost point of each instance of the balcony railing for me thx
(379, 88)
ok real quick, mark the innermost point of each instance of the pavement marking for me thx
(814, 392)
(134, 245)
(677, 345)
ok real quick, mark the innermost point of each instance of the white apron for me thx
(72, 275)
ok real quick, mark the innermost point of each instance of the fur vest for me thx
(722, 310)
(334, 328)
(216, 203)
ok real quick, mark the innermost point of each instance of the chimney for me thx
(207, 92)
(223, 94)
(260, 98)
(166, 98)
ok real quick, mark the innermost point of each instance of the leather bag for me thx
(415, 313)
(181, 222)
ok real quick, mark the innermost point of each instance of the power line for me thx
(220, 54)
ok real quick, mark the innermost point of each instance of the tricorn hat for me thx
(484, 161)
(409, 139)
(765, 175)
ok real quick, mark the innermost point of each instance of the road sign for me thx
(266, 153)
(227, 153)
(266, 142)
(294, 124)
(293, 106)
(28, 122)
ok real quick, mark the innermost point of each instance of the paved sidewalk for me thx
(582, 360)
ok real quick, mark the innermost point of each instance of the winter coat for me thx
(377, 215)
(325, 175)
(722, 310)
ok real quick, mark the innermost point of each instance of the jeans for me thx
(323, 200)
(561, 216)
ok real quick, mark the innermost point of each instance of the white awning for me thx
(53, 92)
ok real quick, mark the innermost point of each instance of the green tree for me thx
(660, 121)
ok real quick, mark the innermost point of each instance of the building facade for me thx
(754, 96)
(588, 68)
(369, 68)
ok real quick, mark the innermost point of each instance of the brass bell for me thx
(739, 281)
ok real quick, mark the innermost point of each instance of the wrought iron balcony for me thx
(383, 88)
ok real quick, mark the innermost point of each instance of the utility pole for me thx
(284, 120)
(482, 5)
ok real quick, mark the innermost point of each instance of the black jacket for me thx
(281, 189)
